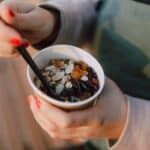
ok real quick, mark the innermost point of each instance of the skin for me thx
(104, 120)
(22, 21)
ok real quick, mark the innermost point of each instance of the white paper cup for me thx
(65, 52)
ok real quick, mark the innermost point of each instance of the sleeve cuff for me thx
(74, 18)
(52, 37)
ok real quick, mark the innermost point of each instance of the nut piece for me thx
(65, 79)
(57, 63)
(59, 88)
(69, 68)
(58, 76)
(68, 85)
(50, 68)
(84, 78)
(71, 62)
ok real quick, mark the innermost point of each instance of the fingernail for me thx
(38, 103)
(15, 42)
(26, 44)
(11, 13)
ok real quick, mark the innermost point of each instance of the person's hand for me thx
(21, 22)
(104, 120)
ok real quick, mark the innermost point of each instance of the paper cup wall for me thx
(65, 52)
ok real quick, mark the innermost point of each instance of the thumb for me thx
(19, 20)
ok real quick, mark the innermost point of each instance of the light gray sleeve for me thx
(136, 134)
(78, 18)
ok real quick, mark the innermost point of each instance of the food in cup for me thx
(42, 59)
(72, 81)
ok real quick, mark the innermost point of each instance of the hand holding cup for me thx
(101, 116)
(21, 22)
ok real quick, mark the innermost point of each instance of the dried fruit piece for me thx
(94, 81)
(77, 68)
(57, 63)
(83, 73)
(83, 66)
(68, 85)
(75, 75)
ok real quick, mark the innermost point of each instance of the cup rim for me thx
(55, 101)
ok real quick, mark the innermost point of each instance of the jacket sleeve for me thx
(136, 134)
(77, 17)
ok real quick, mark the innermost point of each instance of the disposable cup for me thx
(66, 52)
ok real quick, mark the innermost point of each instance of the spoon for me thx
(22, 50)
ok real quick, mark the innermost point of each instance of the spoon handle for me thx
(22, 50)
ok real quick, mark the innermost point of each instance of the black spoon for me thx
(22, 50)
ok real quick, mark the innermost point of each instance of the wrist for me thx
(123, 117)
(120, 125)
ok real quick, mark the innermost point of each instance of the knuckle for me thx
(67, 122)
(85, 135)
(52, 129)
(54, 135)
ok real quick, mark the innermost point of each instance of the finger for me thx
(51, 114)
(7, 34)
(69, 119)
(56, 115)
(9, 40)
(83, 117)
(74, 133)
(9, 10)
(44, 124)
(23, 21)
(77, 141)
(13, 14)
(17, 6)
(47, 125)
(7, 50)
